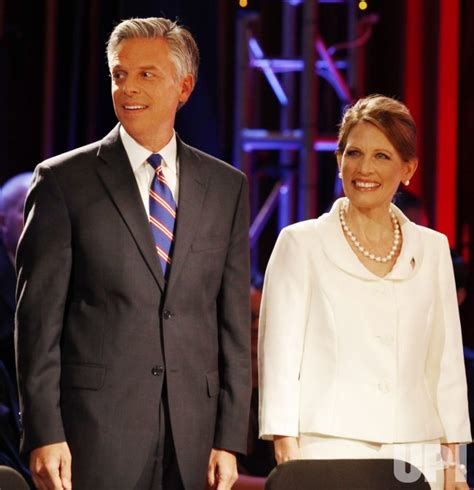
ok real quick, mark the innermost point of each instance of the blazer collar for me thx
(340, 253)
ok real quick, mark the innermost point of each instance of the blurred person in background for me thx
(461, 274)
(12, 200)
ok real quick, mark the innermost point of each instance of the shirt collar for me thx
(137, 154)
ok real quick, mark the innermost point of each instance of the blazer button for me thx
(157, 370)
(167, 314)
(384, 387)
(387, 339)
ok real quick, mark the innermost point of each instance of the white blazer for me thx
(346, 353)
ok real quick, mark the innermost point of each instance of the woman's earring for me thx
(407, 182)
(339, 175)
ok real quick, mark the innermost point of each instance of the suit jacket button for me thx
(167, 315)
(157, 370)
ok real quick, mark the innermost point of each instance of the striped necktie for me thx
(162, 215)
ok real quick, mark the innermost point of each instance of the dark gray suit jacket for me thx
(98, 332)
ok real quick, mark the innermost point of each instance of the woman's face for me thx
(371, 168)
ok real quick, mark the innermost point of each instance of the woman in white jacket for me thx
(360, 350)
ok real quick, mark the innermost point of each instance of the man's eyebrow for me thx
(149, 67)
(118, 66)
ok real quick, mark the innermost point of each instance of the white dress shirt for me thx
(144, 172)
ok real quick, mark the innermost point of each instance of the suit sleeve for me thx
(445, 367)
(283, 318)
(233, 307)
(44, 266)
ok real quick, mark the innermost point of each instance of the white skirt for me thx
(426, 456)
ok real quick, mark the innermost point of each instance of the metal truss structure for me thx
(296, 141)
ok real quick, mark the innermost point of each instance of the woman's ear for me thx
(409, 169)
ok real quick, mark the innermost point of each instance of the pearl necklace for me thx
(364, 251)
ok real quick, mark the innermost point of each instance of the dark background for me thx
(55, 86)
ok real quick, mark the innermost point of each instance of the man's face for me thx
(145, 89)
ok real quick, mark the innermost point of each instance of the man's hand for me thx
(51, 467)
(222, 469)
(286, 448)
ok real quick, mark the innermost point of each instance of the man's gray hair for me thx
(184, 52)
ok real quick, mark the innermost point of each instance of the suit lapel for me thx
(192, 188)
(117, 176)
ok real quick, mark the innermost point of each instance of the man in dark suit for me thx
(134, 359)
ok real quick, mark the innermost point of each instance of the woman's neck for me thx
(371, 224)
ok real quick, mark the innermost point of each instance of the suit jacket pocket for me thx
(208, 244)
(83, 376)
(213, 386)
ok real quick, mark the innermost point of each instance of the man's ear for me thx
(187, 86)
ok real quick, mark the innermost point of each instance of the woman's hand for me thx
(454, 473)
(454, 479)
(286, 448)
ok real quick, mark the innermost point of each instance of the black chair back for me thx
(346, 474)
(10, 479)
